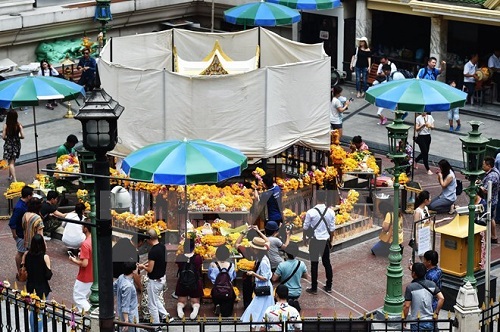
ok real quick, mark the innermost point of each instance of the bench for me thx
(372, 74)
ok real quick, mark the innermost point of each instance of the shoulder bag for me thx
(354, 58)
(22, 276)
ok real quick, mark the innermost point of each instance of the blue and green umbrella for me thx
(261, 14)
(184, 162)
(30, 90)
(416, 95)
(308, 4)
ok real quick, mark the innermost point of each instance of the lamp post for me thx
(393, 302)
(99, 117)
(473, 150)
(103, 15)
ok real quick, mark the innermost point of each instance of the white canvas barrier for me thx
(261, 112)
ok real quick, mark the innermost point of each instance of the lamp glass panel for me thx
(104, 140)
(91, 127)
(93, 140)
(103, 126)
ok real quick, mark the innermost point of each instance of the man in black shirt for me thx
(50, 214)
(156, 268)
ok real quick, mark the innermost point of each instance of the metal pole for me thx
(471, 191)
(213, 16)
(487, 264)
(103, 219)
(393, 302)
(94, 289)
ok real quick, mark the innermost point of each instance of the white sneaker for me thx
(180, 310)
(194, 314)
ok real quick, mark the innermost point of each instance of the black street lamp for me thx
(99, 117)
(103, 15)
(393, 302)
(473, 150)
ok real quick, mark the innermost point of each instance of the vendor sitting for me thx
(357, 144)
(68, 147)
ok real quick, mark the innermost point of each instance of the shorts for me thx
(453, 114)
(20, 245)
(335, 126)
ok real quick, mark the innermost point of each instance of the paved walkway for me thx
(359, 278)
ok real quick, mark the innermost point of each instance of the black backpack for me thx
(188, 277)
(223, 287)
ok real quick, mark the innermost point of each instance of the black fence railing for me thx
(489, 317)
(22, 311)
(363, 324)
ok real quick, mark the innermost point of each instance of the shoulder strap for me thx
(292, 274)
(218, 266)
(422, 284)
(321, 219)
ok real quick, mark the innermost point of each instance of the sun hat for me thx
(362, 39)
(258, 243)
(272, 225)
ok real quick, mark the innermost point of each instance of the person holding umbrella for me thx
(12, 135)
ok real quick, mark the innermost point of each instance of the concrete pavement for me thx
(356, 290)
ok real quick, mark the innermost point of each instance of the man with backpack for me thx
(221, 273)
(290, 272)
(430, 72)
(319, 225)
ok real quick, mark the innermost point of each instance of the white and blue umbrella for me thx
(308, 4)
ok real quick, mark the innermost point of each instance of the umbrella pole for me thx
(36, 141)
(413, 154)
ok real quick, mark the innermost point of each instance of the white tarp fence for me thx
(261, 112)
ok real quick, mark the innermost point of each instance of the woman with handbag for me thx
(423, 127)
(37, 264)
(263, 286)
(361, 61)
(382, 247)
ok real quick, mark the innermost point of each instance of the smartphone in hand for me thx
(70, 253)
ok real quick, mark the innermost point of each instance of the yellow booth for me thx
(453, 256)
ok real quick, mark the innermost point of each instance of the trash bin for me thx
(492, 147)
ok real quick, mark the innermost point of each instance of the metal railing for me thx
(362, 324)
(22, 311)
(489, 317)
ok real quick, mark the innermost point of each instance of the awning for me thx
(457, 13)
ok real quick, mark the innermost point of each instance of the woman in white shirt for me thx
(423, 127)
(47, 70)
(336, 110)
(73, 236)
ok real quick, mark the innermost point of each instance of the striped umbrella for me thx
(261, 14)
(29, 90)
(184, 162)
(308, 4)
(415, 95)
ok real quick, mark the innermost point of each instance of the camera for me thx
(289, 227)
(351, 99)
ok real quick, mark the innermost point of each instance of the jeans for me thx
(424, 143)
(422, 326)
(155, 306)
(440, 204)
(319, 248)
(361, 72)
